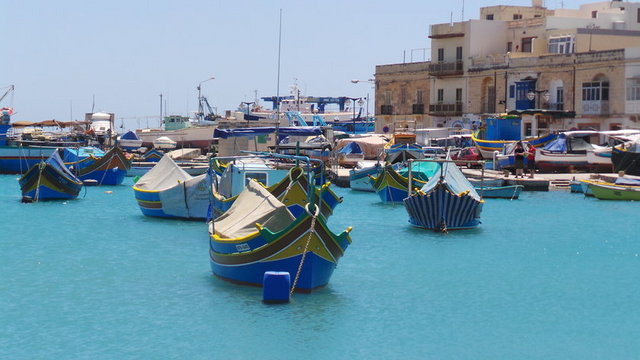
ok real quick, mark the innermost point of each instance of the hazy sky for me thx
(60, 54)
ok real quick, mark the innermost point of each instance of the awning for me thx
(545, 112)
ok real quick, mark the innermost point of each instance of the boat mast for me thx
(277, 145)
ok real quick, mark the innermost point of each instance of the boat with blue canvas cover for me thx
(168, 191)
(447, 201)
(391, 185)
(259, 234)
(569, 152)
(49, 180)
(350, 154)
(92, 164)
(130, 141)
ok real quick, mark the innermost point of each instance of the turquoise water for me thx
(552, 275)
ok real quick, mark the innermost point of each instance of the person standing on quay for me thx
(531, 160)
(519, 159)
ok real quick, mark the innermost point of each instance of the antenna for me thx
(462, 15)
(278, 85)
(93, 105)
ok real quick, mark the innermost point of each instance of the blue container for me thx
(276, 286)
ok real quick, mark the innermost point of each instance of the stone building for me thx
(559, 69)
(402, 94)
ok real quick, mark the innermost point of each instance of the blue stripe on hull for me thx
(316, 271)
(15, 166)
(46, 193)
(106, 177)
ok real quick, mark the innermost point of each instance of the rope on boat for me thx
(314, 216)
(286, 191)
(515, 190)
(40, 168)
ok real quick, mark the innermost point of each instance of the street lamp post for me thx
(353, 99)
(370, 81)
(200, 114)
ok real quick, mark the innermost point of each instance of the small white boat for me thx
(164, 142)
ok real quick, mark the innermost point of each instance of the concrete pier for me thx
(541, 182)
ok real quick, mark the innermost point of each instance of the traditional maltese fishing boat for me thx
(90, 163)
(259, 233)
(447, 201)
(49, 180)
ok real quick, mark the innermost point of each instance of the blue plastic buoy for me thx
(276, 286)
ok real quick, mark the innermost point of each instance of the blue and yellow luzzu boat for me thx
(448, 201)
(108, 168)
(391, 185)
(49, 180)
(259, 233)
(292, 190)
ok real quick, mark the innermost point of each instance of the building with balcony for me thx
(559, 69)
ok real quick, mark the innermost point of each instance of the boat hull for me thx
(488, 147)
(390, 186)
(614, 192)
(245, 260)
(185, 200)
(500, 192)
(44, 182)
(109, 169)
(440, 210)
(359, 178)
(19, 159)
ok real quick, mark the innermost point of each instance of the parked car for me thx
(467, 154)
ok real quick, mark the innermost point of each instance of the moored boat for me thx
(447, 201)
(610, 191)
(170, 192)
(292, 187)
(391, 185)
(93, 164)
(500, 192)
(259, 234)
(497, 132)
(49, 180)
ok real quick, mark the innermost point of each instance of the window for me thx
(559, 98)
(387, 97)
(440, 99)
(490, 16)
(561, 45)
(633, 89)
(527, 44)
(440, 55)
(595, 91)
(459, 53)
(509, 46)
(419, 97)
(403, 95)
(594, 14)
(517, 16)
(638, 16)
(512, 91)
(458, 96)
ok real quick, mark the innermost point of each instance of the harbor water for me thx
(550, 275)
